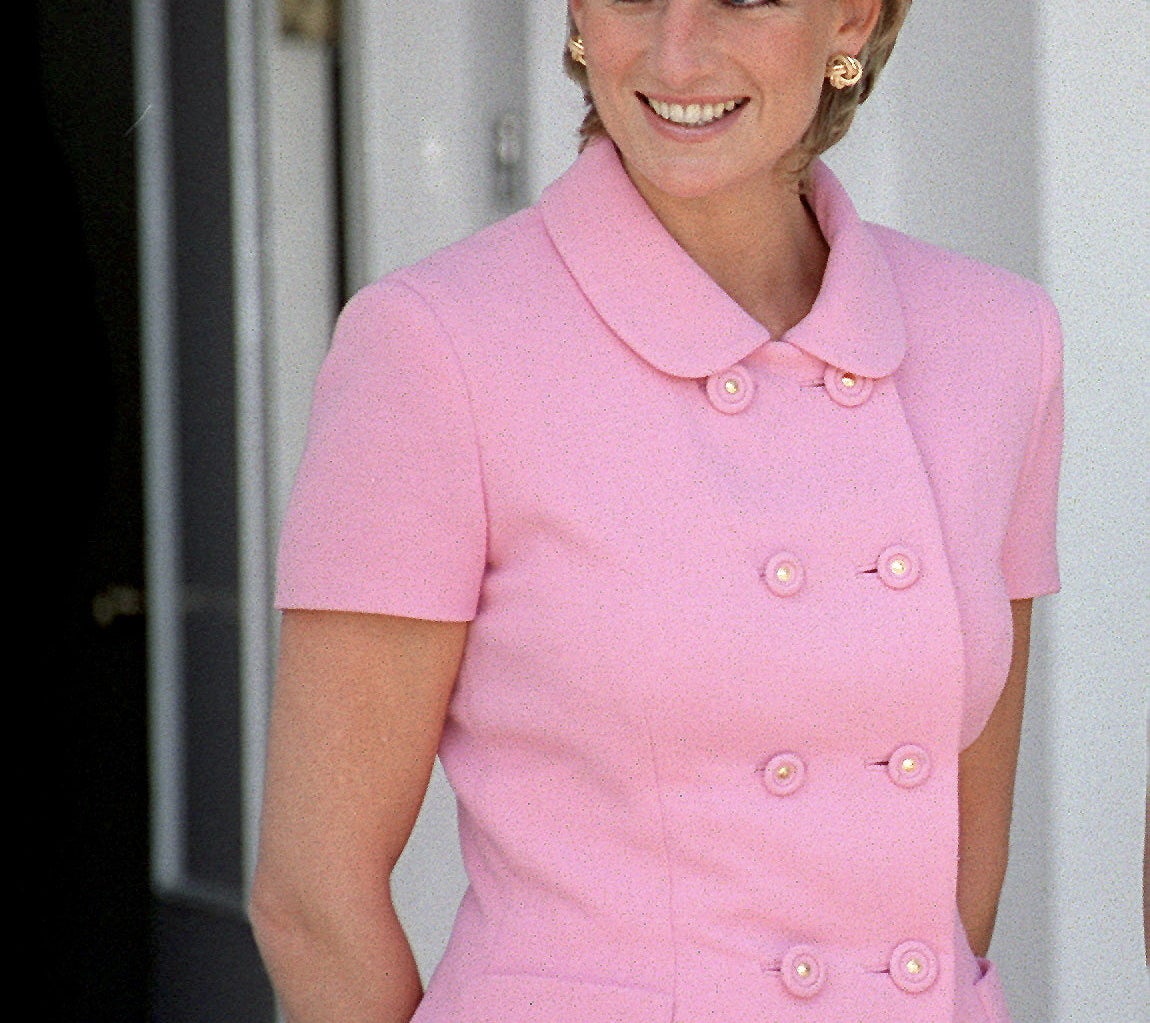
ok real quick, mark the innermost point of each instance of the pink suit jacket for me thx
(737, 602)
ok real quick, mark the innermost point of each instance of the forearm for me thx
(339, 969)
(356, 719)
(983, 854)
(986, 797)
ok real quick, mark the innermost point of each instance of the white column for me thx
(1095, 183)
(426, 85)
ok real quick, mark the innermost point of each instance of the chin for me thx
(707, 180)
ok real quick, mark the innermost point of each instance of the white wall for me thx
(1012, 132)
(1095, 181)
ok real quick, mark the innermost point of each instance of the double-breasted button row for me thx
(803, 971)
(783, 574)
(898, 567)
(847, 389)
(784, 773)
(913, 967)
(908, 767)
(733, 389)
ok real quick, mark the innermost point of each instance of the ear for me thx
(857, 19)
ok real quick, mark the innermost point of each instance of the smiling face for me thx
(711, 97)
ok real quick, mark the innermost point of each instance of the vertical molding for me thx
(1096, 221)
(253, 578)
(161, 469)
(301, 241)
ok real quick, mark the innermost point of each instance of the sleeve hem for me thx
(389, 605)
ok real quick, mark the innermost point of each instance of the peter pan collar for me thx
(665, 307)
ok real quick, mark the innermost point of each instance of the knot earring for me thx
(575, 48)
(843, 70)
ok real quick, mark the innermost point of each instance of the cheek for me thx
(610, 85)
(794, 89)
(794, 63)
(607, 66)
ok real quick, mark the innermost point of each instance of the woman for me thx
(694, 523)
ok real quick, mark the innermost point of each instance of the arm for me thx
(986, 796)
(359, 706)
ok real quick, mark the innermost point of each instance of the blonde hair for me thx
(836, 109)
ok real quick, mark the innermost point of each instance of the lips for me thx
(693, 115)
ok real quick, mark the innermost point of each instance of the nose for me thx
(681, 42)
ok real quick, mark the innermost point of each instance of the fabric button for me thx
(784, 773)
(783, 574)
(845, 388)
(898, 567)
(732, 390)
(909, 766)
(913, 967)
(803, 971)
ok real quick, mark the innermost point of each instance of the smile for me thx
(692, 115)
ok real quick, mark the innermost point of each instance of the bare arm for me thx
(986, 796)
(358, 711)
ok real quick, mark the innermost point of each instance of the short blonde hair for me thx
(836, 109)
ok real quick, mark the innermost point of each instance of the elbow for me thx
(277, 920)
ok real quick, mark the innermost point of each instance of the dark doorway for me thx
(107, 948)
(83, 618)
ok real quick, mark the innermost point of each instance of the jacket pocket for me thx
(525, 998)
(990, 993)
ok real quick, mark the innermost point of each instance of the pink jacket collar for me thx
(662, 304)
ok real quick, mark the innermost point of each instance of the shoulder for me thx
(984, 347)
(475, 286)
(935, 278)
(508, 254)
(974, 317)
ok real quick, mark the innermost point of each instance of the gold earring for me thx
(575, 48)
(843, 70)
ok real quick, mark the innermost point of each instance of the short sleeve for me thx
(1029, 555)
(387, 513)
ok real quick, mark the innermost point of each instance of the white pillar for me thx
(1095, 186)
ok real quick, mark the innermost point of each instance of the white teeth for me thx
(693, 115)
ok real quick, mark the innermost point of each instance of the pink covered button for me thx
(898, 567)
(783, 574)
(784, 774)
(803, 971)
(913, 967)
(731, 391)
(845, 388)
(909, 766)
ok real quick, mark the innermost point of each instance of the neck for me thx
(763, 248)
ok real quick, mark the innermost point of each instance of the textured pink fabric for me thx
(738, 602)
